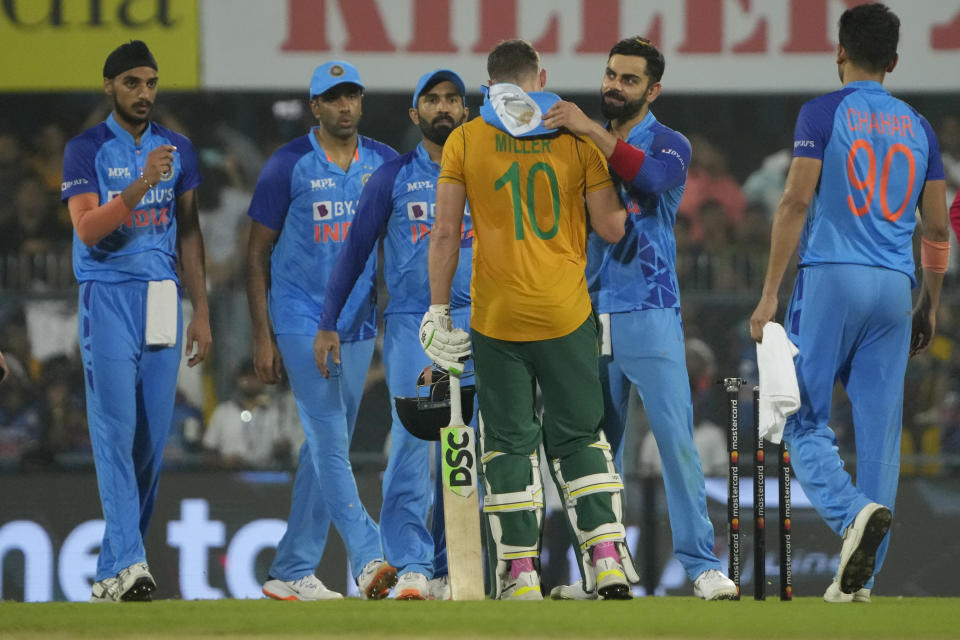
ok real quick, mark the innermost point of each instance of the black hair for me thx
(869, 33)
(642, 48)
(512, 61)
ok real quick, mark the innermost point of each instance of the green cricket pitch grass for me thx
(673, 617)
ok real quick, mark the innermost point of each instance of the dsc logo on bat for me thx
(458, 460)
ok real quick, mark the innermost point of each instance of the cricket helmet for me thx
(424, 415)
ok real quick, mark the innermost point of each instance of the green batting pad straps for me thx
(514, 497)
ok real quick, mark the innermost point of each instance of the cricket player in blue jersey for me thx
(863, 161)
(399, 200)
(303, 205)
(130, 186)
(633, 285)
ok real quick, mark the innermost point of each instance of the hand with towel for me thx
(779, 393)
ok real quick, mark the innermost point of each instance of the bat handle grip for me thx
(456, 411)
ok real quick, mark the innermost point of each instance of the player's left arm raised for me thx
(190, 243)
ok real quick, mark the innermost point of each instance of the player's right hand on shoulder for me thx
(446, 346)
(569, 116)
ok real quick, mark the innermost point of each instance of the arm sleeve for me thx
(79, 169)
(451, 164)
(660, 169)
(271, 197)
(373, 211)
(190, 168)
(934, 161)
(814, 125)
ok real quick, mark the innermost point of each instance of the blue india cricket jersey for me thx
(104, 160)
(877, 153)
(399, 198)
(639, 272)
(312, 203)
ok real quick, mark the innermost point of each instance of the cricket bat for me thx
(461, 508)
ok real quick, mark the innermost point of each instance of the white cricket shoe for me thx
(106, 590)
(525, 586)
(411, 586)
(611, 581)
(713, 585)
(135, 583)
(573, 591)
(439, 588)
(860, 542)
(308, 588)
(833, 594)
(376, 579)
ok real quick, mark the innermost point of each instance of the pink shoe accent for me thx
(605, 550)
(520, 565)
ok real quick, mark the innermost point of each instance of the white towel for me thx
(606, 344)
(779, 393)
(162, 303)
(519, 112)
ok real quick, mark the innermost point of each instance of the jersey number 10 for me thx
(869, 184)
(512, 177)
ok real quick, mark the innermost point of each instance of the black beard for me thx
(130, 118)
(437, 134)
(622, 112)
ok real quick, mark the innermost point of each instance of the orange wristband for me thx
(934, 255)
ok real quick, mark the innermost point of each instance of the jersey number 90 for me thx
(868, 185)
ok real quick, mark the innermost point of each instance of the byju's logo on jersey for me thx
(417, 211)
(323, 183)
(118, 172)
(323, 210)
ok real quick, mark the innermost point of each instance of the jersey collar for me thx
(323, 154)
(648, 121)
(867, 85)
(424, 156)
(123, 134)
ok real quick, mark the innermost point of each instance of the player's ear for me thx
(841, 54)
(893, 64)
(543, 78)
(108, 86)
(653, 91)
(414, 115)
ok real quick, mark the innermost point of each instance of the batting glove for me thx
(446, 346)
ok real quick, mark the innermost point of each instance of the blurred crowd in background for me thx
(226, 418)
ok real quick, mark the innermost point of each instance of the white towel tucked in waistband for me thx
(162, 303)
(779, 393)
(606, 344)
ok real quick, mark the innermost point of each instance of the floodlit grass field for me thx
(913, 618)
